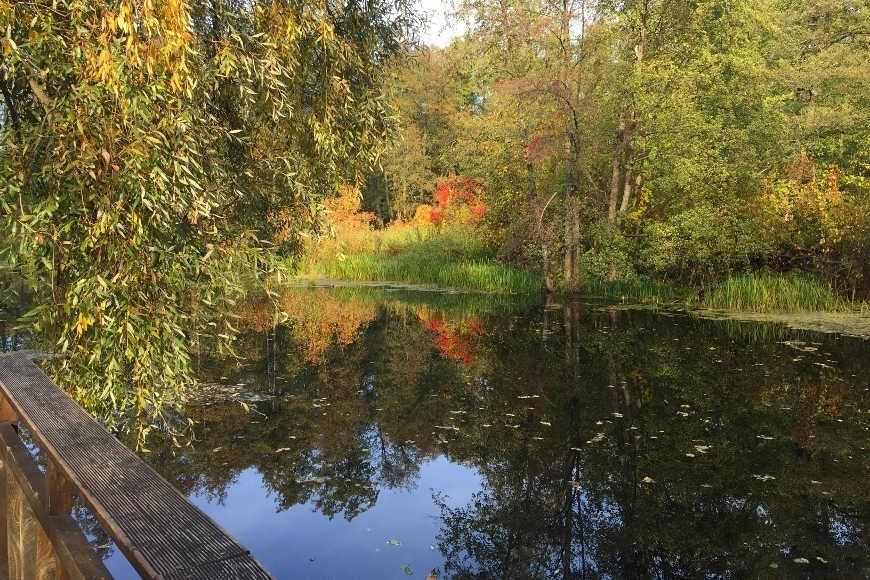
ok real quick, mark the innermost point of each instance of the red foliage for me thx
(443, 193)
(454, 192)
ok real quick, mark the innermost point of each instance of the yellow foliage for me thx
(805, 197)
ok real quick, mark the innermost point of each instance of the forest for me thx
(715, 145)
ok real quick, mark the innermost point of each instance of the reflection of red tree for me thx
(455, 340)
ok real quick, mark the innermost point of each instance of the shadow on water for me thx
(382, 433)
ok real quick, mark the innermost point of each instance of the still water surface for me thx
(394, 434)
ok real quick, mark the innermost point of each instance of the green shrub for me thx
(610, 257)
(700, 244)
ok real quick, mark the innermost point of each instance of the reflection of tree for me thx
(579, 422)
(647, 394)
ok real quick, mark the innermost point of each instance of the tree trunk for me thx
(576, 215)
(629, 181)
(549, 285)
(617, 162)
(569, 244)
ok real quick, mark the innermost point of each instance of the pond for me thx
(384, 433)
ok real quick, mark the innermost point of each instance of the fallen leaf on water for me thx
(648, 479)
(774, 565)
(282, 449)
(394, 542)
(575, 449)
(702, 448)
(407, 569)
(822, 560)
(763, 477)
(545, 423)
(690, 454)
(618, 415)
(801, 561)
(528, 396)
(575, 484)
(815, 482)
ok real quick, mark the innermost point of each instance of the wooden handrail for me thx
(160, 532)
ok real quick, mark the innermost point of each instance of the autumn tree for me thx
(154, 154)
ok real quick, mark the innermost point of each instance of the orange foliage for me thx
(318, 319)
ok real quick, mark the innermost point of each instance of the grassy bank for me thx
(775, 293)
(418, 255)
(793, 292)
(457, 257)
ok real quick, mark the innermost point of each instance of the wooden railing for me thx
(160, 532)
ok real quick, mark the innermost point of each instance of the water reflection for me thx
(393, 434)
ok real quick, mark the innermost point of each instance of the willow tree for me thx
(153, 155)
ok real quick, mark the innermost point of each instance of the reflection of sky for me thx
(303, 543)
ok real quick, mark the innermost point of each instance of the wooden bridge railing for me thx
(160, 532)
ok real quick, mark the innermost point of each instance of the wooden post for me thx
(7, 415)
(21, 534)
(4, 511)
(59, 502)
(46, 561)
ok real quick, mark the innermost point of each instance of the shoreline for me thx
(853, 324)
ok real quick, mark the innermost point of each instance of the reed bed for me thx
(774, 293)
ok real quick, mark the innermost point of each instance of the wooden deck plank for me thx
(161, 533)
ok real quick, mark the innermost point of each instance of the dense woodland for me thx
(668, 139)
(160, 161)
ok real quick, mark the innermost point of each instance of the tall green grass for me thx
(452, 258)
(472, 275)
(774, 293)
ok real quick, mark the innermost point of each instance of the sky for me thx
(437, 31)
